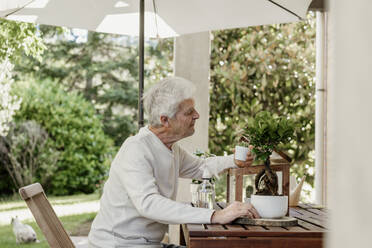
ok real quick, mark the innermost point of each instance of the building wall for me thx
(191, 61)
(349, 122)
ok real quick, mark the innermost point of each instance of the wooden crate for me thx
(280, 162)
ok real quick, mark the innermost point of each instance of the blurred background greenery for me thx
(73, 97)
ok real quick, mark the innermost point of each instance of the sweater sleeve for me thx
(192, 166)
(139, 182)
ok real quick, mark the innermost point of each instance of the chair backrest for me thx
(45, 216)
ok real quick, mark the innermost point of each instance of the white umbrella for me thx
(162, 18)
(172, 18)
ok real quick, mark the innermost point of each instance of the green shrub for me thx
(27, 154)
(76, 133)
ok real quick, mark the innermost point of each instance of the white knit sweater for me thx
(138, 200)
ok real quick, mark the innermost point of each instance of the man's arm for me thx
(150, 204)
(192, 166)
(136, 175)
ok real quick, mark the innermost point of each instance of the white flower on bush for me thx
(9, 103)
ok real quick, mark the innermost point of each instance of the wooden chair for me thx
(45, 216)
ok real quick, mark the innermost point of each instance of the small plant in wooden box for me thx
(265, 132)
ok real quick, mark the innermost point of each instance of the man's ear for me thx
(164, 121)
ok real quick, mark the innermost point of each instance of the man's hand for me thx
(247, 162)
(233, 211)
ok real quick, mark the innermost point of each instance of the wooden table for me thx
(308, 233)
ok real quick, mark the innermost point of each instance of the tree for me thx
(8, 102)
(264, 68)
(104, 68)
(15, 39)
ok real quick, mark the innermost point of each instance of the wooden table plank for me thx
(317, 211)
(255, 228)
(311, 227)
(308, 205)
(235, 227)
(255, 242)
(214, 227)
(311, 212)
(307, 217)
(296, 229)
(195, 228)
(275, 229)
(254, 233)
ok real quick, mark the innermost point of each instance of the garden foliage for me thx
(103, 68)
(18, 38)
(252, 69)
(74, 131)
(9, 103)
(268, 68)
(28, 155)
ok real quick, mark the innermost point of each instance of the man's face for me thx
(183, 123)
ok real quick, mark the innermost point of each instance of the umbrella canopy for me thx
(163, 18)
(154, 18)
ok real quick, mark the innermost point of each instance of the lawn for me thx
(15, 202)
(76, 225)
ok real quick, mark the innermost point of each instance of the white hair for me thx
(164, 97)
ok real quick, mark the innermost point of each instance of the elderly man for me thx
(138, 200)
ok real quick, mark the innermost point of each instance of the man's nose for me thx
(196, 115)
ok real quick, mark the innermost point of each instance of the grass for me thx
(72, 224)
(15, 202)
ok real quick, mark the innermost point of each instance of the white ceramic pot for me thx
(241, 153)
(270, 207)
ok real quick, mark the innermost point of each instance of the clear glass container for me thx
(206, 194)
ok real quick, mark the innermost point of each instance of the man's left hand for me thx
(247, 162)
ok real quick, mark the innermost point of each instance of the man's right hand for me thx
(233, 211)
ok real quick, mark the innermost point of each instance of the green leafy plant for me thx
(265, 132)
(74, 130)
(27, 154)
(18, 38)
(203, 154)
(243, 144)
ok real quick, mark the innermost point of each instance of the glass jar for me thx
(206, 194)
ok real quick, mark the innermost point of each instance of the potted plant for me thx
(265, 132)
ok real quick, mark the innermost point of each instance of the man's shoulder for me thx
(140, 139)
(133, 148)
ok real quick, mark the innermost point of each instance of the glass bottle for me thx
(206, 194)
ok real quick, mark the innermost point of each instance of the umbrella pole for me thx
(141, 63)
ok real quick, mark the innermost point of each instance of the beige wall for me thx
(350, 122)
(191, 61)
